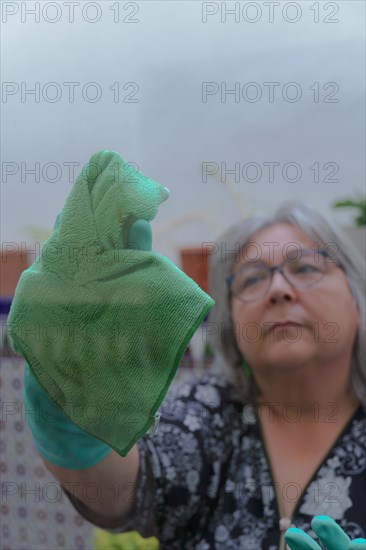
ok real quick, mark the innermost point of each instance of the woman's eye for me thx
(306, 268)
(251, 281)
(254, 279)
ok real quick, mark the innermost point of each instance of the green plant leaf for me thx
(360, 204)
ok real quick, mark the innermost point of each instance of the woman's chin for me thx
(284, 354)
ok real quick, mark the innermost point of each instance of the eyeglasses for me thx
(253, 280)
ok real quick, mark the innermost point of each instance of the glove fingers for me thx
(299, 540)
(140, 236)
(358, 544)
(330, 533)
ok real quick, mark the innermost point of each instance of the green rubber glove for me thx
(56, 437)
(330, 534)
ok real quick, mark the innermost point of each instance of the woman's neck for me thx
(306, 394)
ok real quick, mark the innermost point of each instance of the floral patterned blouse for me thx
(205, 483)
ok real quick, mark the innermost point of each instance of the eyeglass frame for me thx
(278, 268)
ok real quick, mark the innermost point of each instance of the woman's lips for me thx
(283, 326)
(284, 330)
(286, 324)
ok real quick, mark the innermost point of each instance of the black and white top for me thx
(205, 482)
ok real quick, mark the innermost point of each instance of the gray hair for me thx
(220, 331)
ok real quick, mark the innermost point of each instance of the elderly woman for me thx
(291, 329)
(275, 432)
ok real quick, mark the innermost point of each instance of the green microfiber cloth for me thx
(103, 327)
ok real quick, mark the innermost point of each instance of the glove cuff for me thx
(77, 460)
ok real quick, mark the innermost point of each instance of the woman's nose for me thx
(280, 288)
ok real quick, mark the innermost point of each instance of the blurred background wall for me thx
(234, 106)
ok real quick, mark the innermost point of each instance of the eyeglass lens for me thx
(253, 281)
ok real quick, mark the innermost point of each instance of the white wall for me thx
(169, 52)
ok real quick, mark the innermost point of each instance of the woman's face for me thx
(326, 313)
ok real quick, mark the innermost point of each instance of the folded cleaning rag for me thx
(103, 327)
